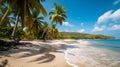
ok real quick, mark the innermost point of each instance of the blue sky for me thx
(90, 16)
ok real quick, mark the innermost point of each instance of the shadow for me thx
(34, 52)
(44, 59)
(38, 49)
(63, 46)
(49, 57)
(24, 47)
(35, 49)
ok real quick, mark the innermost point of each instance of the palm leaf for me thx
(51, 13)
(38, 6)
(7, 11)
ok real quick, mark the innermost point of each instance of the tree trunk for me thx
(13, 35)
(7, 11)
(44, 35)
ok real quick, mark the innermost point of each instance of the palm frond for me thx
(57, 15)
(7, 11)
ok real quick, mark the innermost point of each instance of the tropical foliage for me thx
(25, 16)
(33, 28)
(58, 14)
(22, 10)
(53, 32)
(7, 20)
(5, 32)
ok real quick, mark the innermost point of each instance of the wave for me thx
(87, 56)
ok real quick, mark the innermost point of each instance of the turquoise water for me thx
(94, 53)
(113, 45)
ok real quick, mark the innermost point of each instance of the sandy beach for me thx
(31, 54)
(60, 53)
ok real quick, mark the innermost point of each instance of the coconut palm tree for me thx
(53, 31)
(22, 10)
(36, 24)
(8, 19)
(58, 14)
(45, 31)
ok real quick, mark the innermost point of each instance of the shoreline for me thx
(88, 56)
(59, 53)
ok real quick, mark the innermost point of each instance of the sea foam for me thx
(87, 56)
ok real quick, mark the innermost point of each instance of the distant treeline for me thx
(75, 35)
(5, 33)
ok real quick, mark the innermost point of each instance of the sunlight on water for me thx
(88, 56)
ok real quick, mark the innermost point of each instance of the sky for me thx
(89, 16)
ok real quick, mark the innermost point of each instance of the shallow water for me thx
(94, 53)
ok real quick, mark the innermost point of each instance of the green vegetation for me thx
(5, 32)
(23, 19)
(58, 14)
(75, 35)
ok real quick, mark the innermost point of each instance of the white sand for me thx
(15, 60)
(59, 61)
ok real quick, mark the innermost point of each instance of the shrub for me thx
(5, 32)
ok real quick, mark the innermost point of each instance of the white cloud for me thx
(105, 17)
(109, 16)
(116, 2)
(115, 27)
(81, 24)
(98, 29)
(81, 31)
(116, 16)
(67, 24)
(110, 20)
(66, 30)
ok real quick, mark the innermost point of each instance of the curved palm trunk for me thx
(43, 35)
(13, 35)
(4, 16)
(7, 11)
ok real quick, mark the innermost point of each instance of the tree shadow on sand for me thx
(43, 49)
(35, 49)
(22, 47)
(44, 59)
(39, 49)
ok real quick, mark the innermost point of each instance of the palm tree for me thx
(45, 31)
(49, 32)
(8, 20)
(36, 24)
(53, 32)
(22, 10)
(58, 14)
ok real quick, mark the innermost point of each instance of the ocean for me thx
(93, 53)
